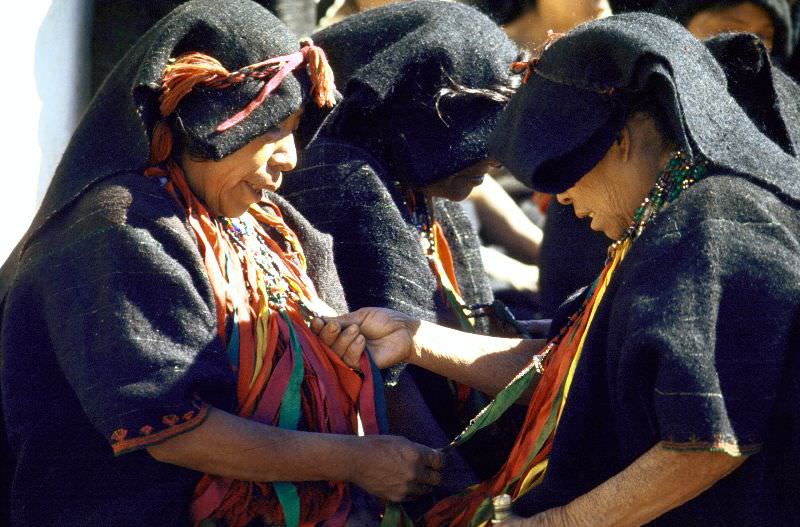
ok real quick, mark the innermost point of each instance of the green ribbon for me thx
(495, 409)
(288, 419)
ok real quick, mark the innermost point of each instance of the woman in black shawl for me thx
(154, 316)
(670, 395)
(423, 83)
(571, 253)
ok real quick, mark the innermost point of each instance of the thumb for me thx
(356, 317)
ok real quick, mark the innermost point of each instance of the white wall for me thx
(46, 81)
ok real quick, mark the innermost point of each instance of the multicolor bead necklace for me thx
(678, 175)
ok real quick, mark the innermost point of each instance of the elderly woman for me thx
(572, 253)
(157, 366)
(423, 83)
(669, 394)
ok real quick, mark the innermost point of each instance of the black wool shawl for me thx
(109, 331)
(694, 344)
(571, 254)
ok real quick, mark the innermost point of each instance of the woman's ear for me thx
(623, 143)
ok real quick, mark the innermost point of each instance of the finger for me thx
(330, 332)
(352, 356)
(429, 477)
(317, 324)
(433, 459)
(345, 338)
(356, 317)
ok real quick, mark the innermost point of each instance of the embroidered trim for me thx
(124, 440)
(732, 448)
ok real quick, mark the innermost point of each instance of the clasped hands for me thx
(388, 334)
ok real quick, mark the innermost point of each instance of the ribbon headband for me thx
(191, 69)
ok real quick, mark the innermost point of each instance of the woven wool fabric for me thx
(391, 62)
(694, 343)
(346, 192)
(571, 254)
(109, 330)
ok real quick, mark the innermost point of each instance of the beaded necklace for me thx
(555, 368)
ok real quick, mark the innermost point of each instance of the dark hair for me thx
(182, 141)
(499, 93)
(647, 102)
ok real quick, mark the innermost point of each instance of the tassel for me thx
(323, 88)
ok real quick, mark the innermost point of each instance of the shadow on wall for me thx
(62, 69)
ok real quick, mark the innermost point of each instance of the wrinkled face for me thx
(745, 17)
(459, 186)
(229, 186)
(611, 192)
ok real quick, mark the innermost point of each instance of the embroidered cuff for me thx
(124, 440)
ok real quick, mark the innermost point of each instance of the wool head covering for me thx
(779, 11)
(563, 120)
(392, 61)
(114, 134)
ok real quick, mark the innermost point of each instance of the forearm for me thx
(654, 484)
(485, 363)
(499, 213)
(229, 446)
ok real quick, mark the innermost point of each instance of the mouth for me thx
(584, 214)
(260, 191)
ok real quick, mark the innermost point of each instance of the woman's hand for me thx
(388, 334)
(396, 469)
(346, 341)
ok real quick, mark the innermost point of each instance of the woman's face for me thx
(611, 192)
(566, 14)
(559, 15)
(459, 186)
(745, 17)
(229, 186)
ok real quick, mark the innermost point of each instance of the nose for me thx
(564, 199)
(284, 157)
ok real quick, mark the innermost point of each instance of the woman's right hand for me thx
(396, 469)
(389, 335)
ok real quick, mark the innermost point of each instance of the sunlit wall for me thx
(46, 50)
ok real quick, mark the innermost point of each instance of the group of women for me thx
(176, 342)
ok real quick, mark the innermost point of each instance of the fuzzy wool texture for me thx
(113, 135)
(346, 192)
(391, 62)
(695, 341)
(111, 325)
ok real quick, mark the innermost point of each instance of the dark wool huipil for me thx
(109, 330)
(695, 343)
(390, 63)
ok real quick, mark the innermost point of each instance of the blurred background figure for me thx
(770, 20)
(332, 11)
(528, 21)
